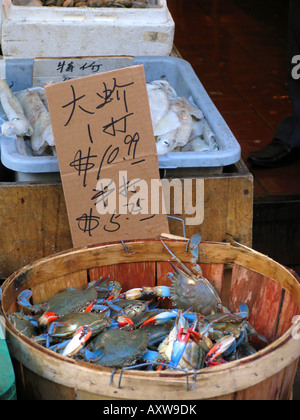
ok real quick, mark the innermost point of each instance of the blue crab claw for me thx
(224, 346)
(243, 311)
(162, 291)
(24, 301)
(24, 297)
(160, 318)
(178, 351)
(244, 307)
(82, 335)
(180, 346)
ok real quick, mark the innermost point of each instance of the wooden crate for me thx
(34, 221)
(270, 290)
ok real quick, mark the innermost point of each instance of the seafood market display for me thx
(38, 116)
(88, 3)
(28, 117)
(107, 326)
(17, 125)
(178, 125)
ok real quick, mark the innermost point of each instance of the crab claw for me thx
(162, 291)
(180, 346)
(161, 318)
(219, 348)
(48, 318)
(23, 299)
(134, 294)
(124, 321)
(82, 335)
(90, 307)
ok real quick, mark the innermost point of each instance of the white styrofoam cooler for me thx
(180, 75)
(36, 31)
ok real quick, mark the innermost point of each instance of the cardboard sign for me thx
(107, 156)
(54, 70)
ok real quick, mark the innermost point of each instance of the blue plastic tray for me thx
(182, 78)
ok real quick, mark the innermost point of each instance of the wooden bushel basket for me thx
(239, 274)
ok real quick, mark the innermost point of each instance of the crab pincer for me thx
(24, 301)
(225, 346)
(161, 318)
(180, 345)
(124, 321)
(82, 335)
(47, 318)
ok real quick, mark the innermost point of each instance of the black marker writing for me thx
(88, 223)
(73, 104)
(82, 164)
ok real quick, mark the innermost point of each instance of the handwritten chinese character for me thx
(73, 104)
(109, 92)
(93, 66)
(70, 67)
(61, 66)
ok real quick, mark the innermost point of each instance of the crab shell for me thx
(123, 348)
(71, 323)
(132, 308)
(70, 301)
(190, 293)
(23, 325)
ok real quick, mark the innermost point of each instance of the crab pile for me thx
(107, 326)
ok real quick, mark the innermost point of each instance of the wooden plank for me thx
(41, 389)
(263, 297)
(285, 392)
(33, 224)
(128, 275)
(268, 390)
(228, 210)
(44, 291)
(288, 310)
